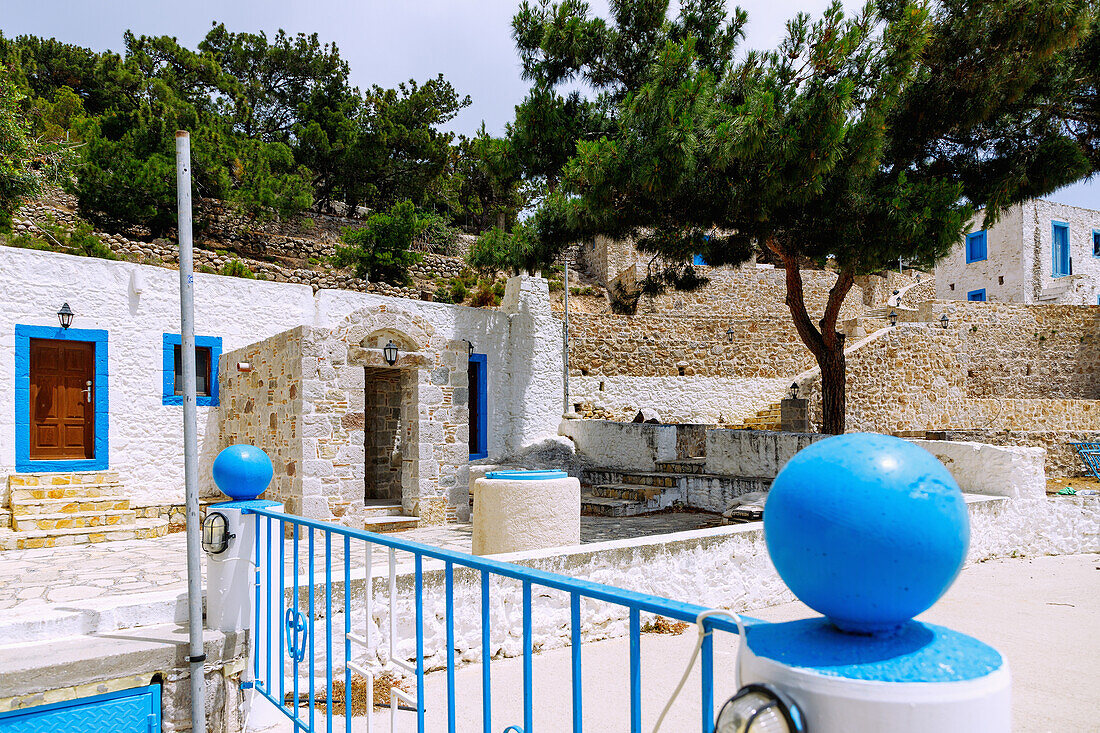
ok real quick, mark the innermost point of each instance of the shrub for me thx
(380, 249)
(236, 268)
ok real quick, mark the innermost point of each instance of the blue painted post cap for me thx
(868, 530)
(242, 472)
(518, 475)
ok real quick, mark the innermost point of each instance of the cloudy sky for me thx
(384, 41)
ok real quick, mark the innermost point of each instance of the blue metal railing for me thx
(297, 630)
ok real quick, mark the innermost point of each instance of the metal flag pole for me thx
(196, 657)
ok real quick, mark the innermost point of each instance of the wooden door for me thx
(62, 399)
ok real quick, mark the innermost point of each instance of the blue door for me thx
(1062, 264)
(128, 711)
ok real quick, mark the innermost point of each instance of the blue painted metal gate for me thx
(135, 710)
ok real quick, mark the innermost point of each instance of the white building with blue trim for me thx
(1038, 252)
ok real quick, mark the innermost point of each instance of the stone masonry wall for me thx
(382, 423)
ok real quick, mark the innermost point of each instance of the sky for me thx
(384, 41)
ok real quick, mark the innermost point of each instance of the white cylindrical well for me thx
(513, 512)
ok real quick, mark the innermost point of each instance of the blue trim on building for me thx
(169, 396)
(479, 397)
(1060, 266)
(101, 441)
(978, 296)
(1096, 242)
(976, 249)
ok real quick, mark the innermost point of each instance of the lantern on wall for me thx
(794, 390)
(389, 352)
(65, 315)
(943, 320)
(215, 533)
(729, 334)
(893, 318)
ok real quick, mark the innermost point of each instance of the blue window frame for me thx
(975, 247)
(100, 443)
(1062, 265)
(207, 351)
(1096, 242)
(479, 407)
(976, 295)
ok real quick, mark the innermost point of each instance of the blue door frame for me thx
(136, 710)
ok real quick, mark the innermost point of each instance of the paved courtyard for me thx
(79, 572)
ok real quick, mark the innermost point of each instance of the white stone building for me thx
(100, 397)
(1038, 252)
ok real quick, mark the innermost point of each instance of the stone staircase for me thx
(381, 517)
(56, 509)
(629, 493)
(767, 419)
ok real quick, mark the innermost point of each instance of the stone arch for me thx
(408, 329)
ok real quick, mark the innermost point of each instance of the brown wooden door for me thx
(62, 399)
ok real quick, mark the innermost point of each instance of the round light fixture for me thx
(215, 533)
(389, 352)
(759, 708)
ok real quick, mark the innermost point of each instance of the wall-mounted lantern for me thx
(469, 347)
(893, 318)
(729, 334)
(794, 390)
(943, 320)
(215, 533)
(65, 315)
(389, 352)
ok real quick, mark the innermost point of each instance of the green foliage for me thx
(236, 268)
(380, 249)
(437, 234)
(52, 237)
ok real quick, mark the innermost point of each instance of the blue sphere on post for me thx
(242, 472)
(869, 530)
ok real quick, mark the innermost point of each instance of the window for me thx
(479, 407)
(207, 351)
(698, 261)
(976, 295)
(1096, 242)
(975, 247)
(1062, 265)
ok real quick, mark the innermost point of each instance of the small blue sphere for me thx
(242, 472)
(869, 530)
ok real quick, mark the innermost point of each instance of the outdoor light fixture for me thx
(215, 533)
(893, 318)
(469, 347)
(244, 366)
(794, 390)
(943, 320)
(759, 709)
(389, 351)
(65, 315)
(729, 334)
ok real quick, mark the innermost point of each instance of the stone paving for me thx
(29, 578)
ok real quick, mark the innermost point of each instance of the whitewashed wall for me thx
(1018, 249)
(146, 436)
(710, 400)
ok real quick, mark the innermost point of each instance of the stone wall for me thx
(1062, 459)
(383, 394)
(701, 399)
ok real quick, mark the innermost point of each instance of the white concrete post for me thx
(231, 578)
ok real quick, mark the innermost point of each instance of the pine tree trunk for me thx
(833, 371)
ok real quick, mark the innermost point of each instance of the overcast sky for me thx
(384, 41)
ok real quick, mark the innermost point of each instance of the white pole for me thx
(565, 355)
(196, 657)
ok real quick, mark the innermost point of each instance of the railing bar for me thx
(528, 674)
(419, 644)
(410, 668)
(398, 694)
(347, 634)
(635, 671)
(449, 573)
(678, 610)
(297, 606)
(298, 722)
(368, 591)
(267, 603)
(706, 670)
(282, 612)
(486, 657)
(356, 639)
(393, 635)
(362, 670)
(310, 625)
(256, 606)
(328, 631)
(575, 616)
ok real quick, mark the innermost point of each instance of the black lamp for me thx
(943, 320)
(65, 315)
(729, 334)
(893, 318)
(389, 351)
(215, 533)
(794, 390)
(469, 347)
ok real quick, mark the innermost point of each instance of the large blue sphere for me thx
(242, 472)
(868, 530)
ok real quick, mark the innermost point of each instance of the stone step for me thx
(630, 492)
(42, 480)
(383, 510)
(5, 519)
(390, 523)
(71, 505)
(73, 520)
(64, 492)
(29, 540)
(685, 465)
(607, 507)
(659, 479)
